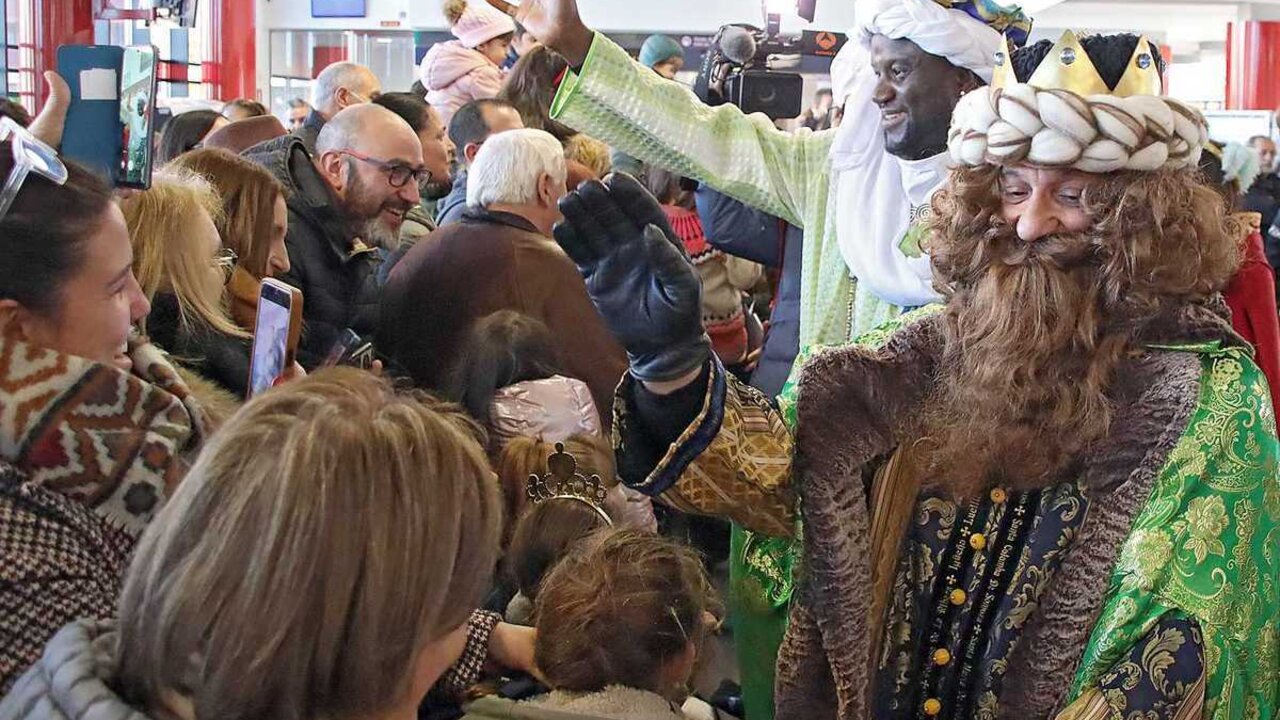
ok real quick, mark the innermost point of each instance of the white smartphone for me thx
(276, 334)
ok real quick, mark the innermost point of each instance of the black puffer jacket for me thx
(336, 274)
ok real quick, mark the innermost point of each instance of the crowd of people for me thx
(953, 402)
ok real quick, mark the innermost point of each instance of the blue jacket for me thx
(751, 234)
(454, 204)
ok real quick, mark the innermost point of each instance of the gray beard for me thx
(375, 234)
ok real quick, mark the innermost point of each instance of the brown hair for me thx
(1035, 331)
(249, 193)
(330, 530)
(500, 349)
(44, 234)
(166, 254)
(538, 536)
(619, 607)
(530, 87)
(544, 535)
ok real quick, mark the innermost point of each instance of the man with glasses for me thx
(344, 204)
(337, 87)
(500, 256)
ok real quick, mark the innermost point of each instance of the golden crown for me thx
(563, 481)
(1068, 67)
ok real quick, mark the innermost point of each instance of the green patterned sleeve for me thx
(633, 109)
(1205, 546)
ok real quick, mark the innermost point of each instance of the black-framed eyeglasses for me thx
(398, 174)
(225, 261)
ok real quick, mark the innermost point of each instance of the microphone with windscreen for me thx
(738, 44)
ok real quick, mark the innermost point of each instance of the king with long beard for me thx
(1055, 496)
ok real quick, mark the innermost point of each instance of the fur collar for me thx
(613, 703)
(857, 405)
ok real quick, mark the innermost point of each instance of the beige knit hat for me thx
(476, 23)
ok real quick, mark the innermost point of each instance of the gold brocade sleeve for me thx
(733, 461)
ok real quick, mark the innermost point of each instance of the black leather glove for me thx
(637, 275)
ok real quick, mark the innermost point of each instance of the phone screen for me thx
(270, 339)
(137, 116)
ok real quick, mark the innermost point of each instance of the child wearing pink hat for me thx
(469, 68)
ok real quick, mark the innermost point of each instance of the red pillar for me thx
(58, 22)
(232, 65)
(1253, 65)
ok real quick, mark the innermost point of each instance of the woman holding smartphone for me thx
(253, 223)
(96, 428)
(183, 267)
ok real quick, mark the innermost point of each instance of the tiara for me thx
(564, 482)
(1068, 67)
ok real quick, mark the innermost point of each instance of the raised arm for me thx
(619, 101)
(685, 431)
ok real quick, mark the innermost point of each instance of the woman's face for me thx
(206, 234)
(278, 255)
(98, 305)
(1042, 202)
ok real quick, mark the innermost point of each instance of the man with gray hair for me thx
(345, 203)
(339, 86)
(499, 257)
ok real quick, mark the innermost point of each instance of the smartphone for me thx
(352, 350)
(137, 117)
(276, 334)
(111, 121)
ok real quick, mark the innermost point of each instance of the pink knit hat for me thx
(479, 22)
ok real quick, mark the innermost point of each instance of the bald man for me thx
(344, 203)
(339, 86)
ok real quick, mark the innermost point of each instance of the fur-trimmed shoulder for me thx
(855, 403)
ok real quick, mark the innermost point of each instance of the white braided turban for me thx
(1021, 124)
(953, 34)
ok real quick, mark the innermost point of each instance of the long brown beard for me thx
(1026, 366)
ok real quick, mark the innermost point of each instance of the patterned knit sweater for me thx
(724, 280)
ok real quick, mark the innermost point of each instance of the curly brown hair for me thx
(620, 607)
(1035, 330)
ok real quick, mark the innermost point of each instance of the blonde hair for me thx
(590, 152)
(161, 221)
(249, 193)
(454, 10)
(330, 530)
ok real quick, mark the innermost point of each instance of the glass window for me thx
(20, 51)
(180, 50)
(297, 56)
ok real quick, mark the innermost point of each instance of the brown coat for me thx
(486, 263)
